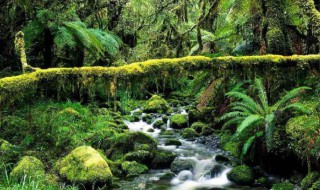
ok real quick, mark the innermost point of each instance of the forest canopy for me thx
(116, 32)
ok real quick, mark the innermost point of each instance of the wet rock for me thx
(222, 159)
(133, 168)
(159, 124)
(211, 142)
(173, 142)
(185, 175)
(179, 121)
(242, 175)
(179, 165)
(283, 186)
(150, 130)
(156, 104)
(165, 119)
(168, 176)
(217, 170)
(162, 160)
(189, 133)
(141, 156)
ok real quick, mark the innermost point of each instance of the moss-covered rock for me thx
(156, 104)
(141, 156)
(202, 128)
(175, 142)
(8, 152)
(179, 121)
(283, 186)
(28, 166)
(189, 133)
(181, 164)
(309, 180)
(127, 142)
(242, 175)
(159, 124)
(163, 159)
(133, 168)
(86, 166)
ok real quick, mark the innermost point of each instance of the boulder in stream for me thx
(163, 159)
(242, 175)
(179, 121)
(179, 165)
(156, 104)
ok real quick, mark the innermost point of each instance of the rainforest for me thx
(159, 94)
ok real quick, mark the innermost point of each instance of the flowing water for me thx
(206, 173)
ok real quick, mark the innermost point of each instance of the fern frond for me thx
(234, 114)
(297, 107)
(262, 93)
(248, 101)
(233, 121)
(63, 38)
(269, 128)
(240, 106)
(247, 145)
(290, 95)
(247, 122)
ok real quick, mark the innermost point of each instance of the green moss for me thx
(316, 185)
(8, 152)
(126, 142)
(189, 133)
(283, 186)
(14, 89)
(179, 121)
(163, 159)
(309, 180)
(156, 104)
(202, 128)
(173, 142)
(84, 165)
(159, 124)
(233, 148)
(141, 156)
(242, 175)
(28, 166)
(133, 168)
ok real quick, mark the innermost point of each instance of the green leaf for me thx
(248, 101)
(262, 93)
(247, 122)
(247, 146)
(290, 95)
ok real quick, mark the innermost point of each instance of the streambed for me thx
(204, 172)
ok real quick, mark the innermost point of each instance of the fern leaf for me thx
(262, 93)
(247, 122)
(247, 145)
(234, 114)
(233, 121)
(297, 107)
(248, 101)
(290, 95)
(269, 128)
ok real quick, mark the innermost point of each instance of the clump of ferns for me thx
(257, 116)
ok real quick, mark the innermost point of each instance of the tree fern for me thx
(247, 113)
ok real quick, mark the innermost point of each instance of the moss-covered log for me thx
(89, 79)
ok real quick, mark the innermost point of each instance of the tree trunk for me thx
(48, 49)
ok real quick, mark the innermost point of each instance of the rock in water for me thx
(242, 175)
(156, 104)
(85, 165)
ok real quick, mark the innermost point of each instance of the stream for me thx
(206, 172)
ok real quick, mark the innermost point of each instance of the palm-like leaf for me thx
(247, 122)
(289, 96)
(297, 107)
(248, 101)
(262, 93)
